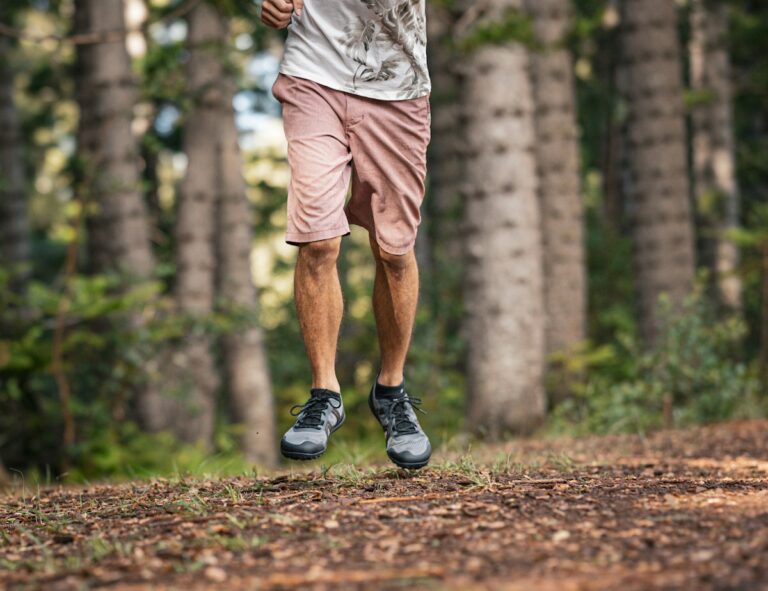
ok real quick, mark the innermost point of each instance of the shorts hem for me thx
(297, 238)
(395, 250)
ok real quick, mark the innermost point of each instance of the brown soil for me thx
(680, 510)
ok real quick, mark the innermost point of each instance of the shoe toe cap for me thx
(302, 445)
(410, 454)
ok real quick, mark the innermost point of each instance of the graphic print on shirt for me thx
(394, 33)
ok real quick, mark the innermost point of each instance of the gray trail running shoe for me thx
(407, 444)
(320, 416)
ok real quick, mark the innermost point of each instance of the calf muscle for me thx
(395, 298)
(320, 306)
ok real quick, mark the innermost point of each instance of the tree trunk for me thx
(118, 224)
(245, 359)
(763, 357)
(714, 165)
(106, 94)
(191, 412)
(612, 139)
(443, 204)
(562, 209)
(14, 231)
(657, 188)
(444, 173)
(5, 477)
(503, 291)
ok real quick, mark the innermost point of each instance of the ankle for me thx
(391, 379)
(331, 384)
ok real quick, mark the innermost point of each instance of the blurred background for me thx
(593, 250)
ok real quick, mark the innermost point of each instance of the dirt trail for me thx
(680, 510)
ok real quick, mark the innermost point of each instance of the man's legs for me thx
(395, 298)
(320, 307)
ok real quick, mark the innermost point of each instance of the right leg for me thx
(320, 162)
(320, 307)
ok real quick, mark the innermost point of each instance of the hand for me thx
(277, 13)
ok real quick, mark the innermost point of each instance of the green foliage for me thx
(9, 8)
(611, 286)
(698, 98)
(233, 8)
(595, 48)
(103, 360)
(515, 25)
(693, 375)
(698, 370)
(748, 44)
(120, 450)
(31, 425)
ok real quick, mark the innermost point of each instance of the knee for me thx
(394, 263)
(321, 253)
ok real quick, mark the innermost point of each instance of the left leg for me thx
(389, 148)
(395, 297)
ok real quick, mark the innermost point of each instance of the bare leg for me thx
(395, 298)
(320, 306)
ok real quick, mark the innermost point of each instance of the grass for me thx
(486, 501)
(347, 464)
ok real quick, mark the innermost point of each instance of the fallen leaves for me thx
(668, 513)
(561, 535)
(215, 574)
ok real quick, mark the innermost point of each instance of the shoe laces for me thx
(311, 412)
(396, 414)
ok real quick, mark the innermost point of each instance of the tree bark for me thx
(444, 167)
(245, 358)
(444, 204)
(190, 413)
(106, 94)
(714, 166)
(562, 209)
(763, 357)
(14, 229)
(657, 188)
(503, 291)
(611, 145)
(117, 221)
(5, 477)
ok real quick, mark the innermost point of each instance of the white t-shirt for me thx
(373, 48)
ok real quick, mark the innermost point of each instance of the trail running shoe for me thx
(407, 444)
(320, 416)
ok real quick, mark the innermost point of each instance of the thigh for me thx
(318, 155)
(389, 151)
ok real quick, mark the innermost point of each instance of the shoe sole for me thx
(398, 463)
(297, 455)
(408, 465)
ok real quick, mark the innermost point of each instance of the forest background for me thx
(594, 250)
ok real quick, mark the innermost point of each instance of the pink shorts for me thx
(334, 136)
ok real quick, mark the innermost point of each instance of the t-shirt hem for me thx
(335, 85)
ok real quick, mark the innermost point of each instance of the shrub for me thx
(693, 375)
